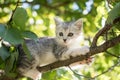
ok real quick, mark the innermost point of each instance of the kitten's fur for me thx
(48, 50)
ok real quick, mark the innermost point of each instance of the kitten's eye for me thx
(70, 34)
(60, 34)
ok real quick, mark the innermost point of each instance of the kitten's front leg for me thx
(79, 51)
(75, 52)
(33, 74)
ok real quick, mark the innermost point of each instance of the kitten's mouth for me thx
(65, 43)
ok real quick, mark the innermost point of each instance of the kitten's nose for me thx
(64, 40)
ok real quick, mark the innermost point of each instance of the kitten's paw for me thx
(75, 52)
(80, 51)
(64, 57)
(85, 49)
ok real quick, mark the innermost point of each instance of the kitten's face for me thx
(67, 32)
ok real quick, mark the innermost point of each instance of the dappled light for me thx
(31, 19)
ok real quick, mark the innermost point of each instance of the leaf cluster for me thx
(12, 34)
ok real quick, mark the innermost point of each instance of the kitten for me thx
(47, 50)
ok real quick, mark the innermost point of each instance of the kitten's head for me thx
(67, 32)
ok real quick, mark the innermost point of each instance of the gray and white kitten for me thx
(47, 50)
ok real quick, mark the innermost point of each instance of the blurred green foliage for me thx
(36, 18)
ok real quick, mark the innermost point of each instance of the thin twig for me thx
(92, 78)
(14, 11)
(112, 54)
(78, 74)
(109, 69)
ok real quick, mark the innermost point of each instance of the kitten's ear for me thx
(79, 23)
(57, 20)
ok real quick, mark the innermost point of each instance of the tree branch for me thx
(104, 30)
(93, 51)
(101, 32)
(112, 54)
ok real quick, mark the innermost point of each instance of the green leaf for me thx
(16, 55)
(9, 63)
(10, 66)
(29, 34)
(4, 53)
(114, 13)
(13, 25)
(2, 30)
(20, 17)
(115, 50)
(13, 36)
(117, 25)
(49, 75)
(26, 50)
(2, 65)
(11, 74)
